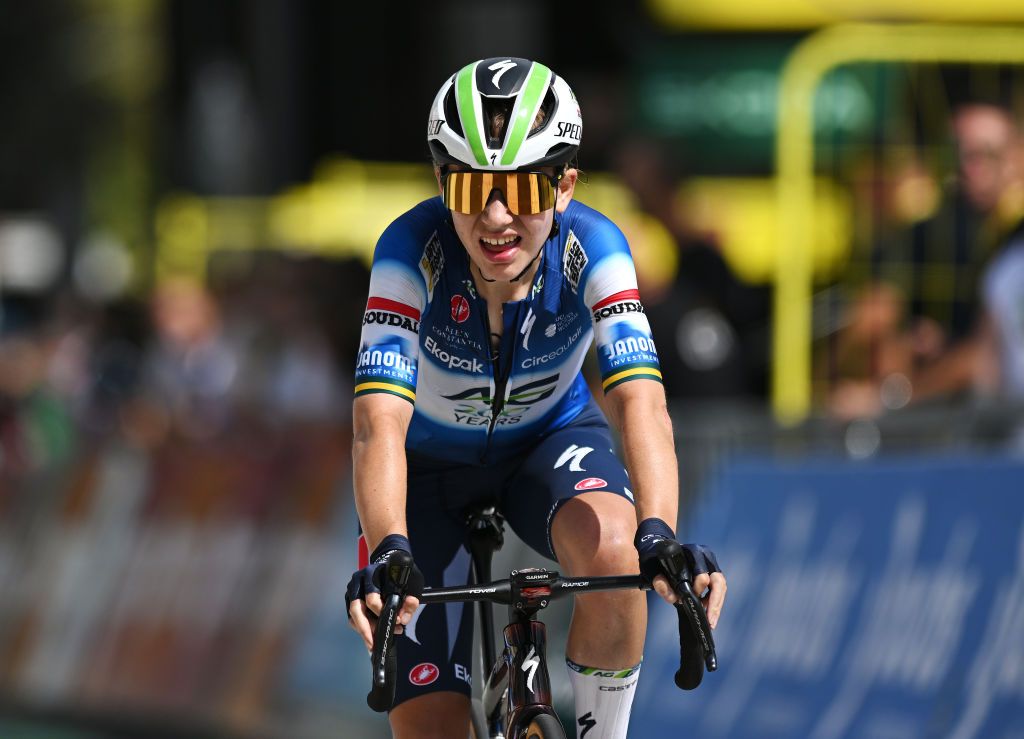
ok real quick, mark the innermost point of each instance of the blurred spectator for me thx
(36, 433)
(711, 328)
(1004, 303)
(190, 369)
(914, 332)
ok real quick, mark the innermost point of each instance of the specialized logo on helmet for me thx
(501, 68)
(423, 674)
(460, 309)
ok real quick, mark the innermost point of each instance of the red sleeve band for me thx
(394, 306)
(617, 298)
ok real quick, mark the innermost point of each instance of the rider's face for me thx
(502, 244)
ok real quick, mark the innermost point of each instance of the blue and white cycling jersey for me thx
(425, 334)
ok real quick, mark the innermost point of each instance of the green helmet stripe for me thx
(526, 111)
(469, 111)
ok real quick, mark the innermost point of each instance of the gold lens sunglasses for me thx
(526, 193)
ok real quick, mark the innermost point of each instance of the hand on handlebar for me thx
(363, 595)
(681, 574)
(656, 544)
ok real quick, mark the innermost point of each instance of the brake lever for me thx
(384, 657)
(697, 651)
(691, 612)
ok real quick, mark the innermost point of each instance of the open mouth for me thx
(500, 248)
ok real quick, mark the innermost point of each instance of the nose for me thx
(496, 212)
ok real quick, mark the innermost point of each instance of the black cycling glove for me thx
(371, 579)
(660, 554)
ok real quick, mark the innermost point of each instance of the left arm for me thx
(635, 400)
(640, 415)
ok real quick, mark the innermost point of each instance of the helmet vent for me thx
(497, 115)
(545, 112)
(451, 112)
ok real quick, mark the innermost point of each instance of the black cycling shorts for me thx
(435, 652)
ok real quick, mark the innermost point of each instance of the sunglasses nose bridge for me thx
(497, 208)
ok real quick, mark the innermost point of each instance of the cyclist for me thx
(483, 303)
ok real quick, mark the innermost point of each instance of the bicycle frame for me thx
(523, 665)
(521, 674)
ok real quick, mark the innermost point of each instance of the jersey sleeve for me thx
(608, 289)
(389, 344)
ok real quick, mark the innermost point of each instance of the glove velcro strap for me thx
(650, 529)
(388, 544)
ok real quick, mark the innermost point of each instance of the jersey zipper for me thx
(501, 368)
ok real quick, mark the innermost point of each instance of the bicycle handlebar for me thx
(533, 589)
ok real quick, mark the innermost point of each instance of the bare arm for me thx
(639, 413)
(971, 363)
(380, 424)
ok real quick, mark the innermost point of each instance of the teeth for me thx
(500, 242)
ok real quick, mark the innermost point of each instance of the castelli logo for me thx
(460, 308)
(591, 483)
(423, 674)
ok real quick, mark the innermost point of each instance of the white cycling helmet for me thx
(458, 130)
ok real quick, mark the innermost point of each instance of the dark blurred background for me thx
(190, 193)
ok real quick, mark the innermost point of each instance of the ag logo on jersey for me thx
(574, 261)
(474, 407)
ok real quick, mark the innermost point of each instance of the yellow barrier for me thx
(801, 76)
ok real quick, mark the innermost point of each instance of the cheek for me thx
(463, 227)
(538, 226)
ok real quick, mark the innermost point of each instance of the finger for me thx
(716, 598)
(374, 602)
(362, 621)
(408, 610)
(701, 582)
(662, 588)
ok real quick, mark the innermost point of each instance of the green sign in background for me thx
(718, 100)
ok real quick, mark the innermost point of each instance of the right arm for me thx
(380, 424)
(385, 389)
(379, 474)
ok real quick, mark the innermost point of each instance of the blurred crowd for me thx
(937, 312)
(264, 343)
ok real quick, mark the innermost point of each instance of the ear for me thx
(437, 176)
(566, 187)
